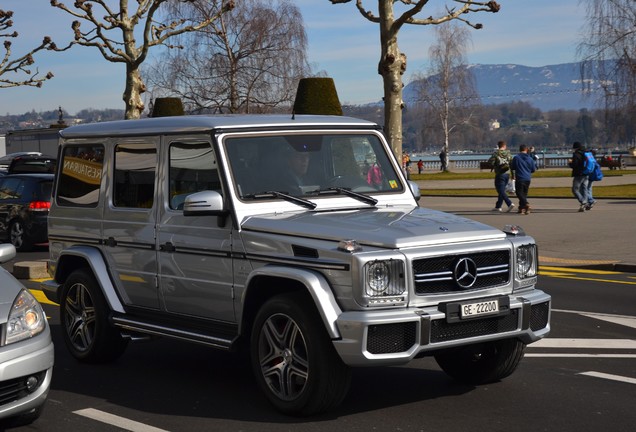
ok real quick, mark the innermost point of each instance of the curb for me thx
(30, 270)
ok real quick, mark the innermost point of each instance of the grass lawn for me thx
(619, 191)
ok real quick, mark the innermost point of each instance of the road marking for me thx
(40, 297)
(571, 275)
(120, 422)
(609, 377)
(576, 355)
(578, 270)
(585, 343)
(624, 320)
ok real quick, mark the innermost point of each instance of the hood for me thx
(381, 227)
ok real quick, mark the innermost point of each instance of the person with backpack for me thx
(500, 162)
(595, 175)
(523, 165)
(579, 175)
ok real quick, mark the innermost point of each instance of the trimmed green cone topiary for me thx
(317, 96)
(166, 107)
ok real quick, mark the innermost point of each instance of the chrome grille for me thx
(436, 275)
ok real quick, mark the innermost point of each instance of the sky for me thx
(342, 44)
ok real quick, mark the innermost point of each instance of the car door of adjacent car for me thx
(194, 252)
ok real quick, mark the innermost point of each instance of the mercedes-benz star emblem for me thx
(465, 273)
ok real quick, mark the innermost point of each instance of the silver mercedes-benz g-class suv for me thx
(295, 237)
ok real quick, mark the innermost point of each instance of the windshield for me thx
(310, 165)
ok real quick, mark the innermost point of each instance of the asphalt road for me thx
(583, 377)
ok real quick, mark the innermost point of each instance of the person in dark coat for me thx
(579, 180)
(523, 166)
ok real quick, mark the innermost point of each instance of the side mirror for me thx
(205, 203)
(415, 189)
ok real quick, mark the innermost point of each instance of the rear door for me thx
(129, 221)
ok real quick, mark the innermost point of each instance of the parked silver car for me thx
(26, 350)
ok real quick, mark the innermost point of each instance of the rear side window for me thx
(135, 167)
(80, 176)
(11, 188)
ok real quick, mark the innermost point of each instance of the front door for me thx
(194, 252)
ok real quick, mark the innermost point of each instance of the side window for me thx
(193, 168)
(80, 176)
(11, 189)
(135, 168)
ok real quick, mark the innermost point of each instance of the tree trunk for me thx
(132, 94)
(392, 65)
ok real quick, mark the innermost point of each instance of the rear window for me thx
(81, 176)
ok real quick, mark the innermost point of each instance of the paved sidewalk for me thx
(604, 237)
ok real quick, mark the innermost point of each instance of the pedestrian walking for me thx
(523, 165)
(596, 175)
(420, 166)
(500, 161)
(442, 160)
(579, 178)
(534, 156)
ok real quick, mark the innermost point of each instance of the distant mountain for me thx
(547, 87)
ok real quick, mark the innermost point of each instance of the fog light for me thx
(32, 383)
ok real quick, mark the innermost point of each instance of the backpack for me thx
(499, 163)
(596, 174)
(589, 163)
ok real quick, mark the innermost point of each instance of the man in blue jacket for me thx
(523, 165)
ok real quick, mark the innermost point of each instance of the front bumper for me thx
(32, 358)
(374, 338)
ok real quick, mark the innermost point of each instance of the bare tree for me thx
(608, 55)
(449, 91)
(143, 19)
(249, 60)
(20, 65)
(392, 63)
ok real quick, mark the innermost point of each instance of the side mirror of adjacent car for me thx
(415, 189)
(7, 252)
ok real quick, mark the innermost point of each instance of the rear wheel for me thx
(482, 363)
(293, 359)
(84, 318)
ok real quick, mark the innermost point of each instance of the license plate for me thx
(470, 310)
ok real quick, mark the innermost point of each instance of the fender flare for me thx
(99, 268)
(316, 285)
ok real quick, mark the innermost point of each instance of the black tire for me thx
(482, 363)
(84, 318)
(18, 236)
(293, 359)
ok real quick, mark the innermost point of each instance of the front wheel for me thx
(293, 359)
(482, 363)
(84, 318)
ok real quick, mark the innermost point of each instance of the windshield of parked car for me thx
(310, 165)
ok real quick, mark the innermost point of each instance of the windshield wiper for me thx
(292, 199)
(344, 191)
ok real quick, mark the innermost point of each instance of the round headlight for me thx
(525, 261)
(379, 276)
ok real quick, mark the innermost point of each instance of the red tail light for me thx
(40, 205)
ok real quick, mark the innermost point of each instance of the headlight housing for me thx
(384, 283)
(26, 318)
(526, 261)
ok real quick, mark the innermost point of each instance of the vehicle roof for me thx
(40, 176)
(205, 123)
